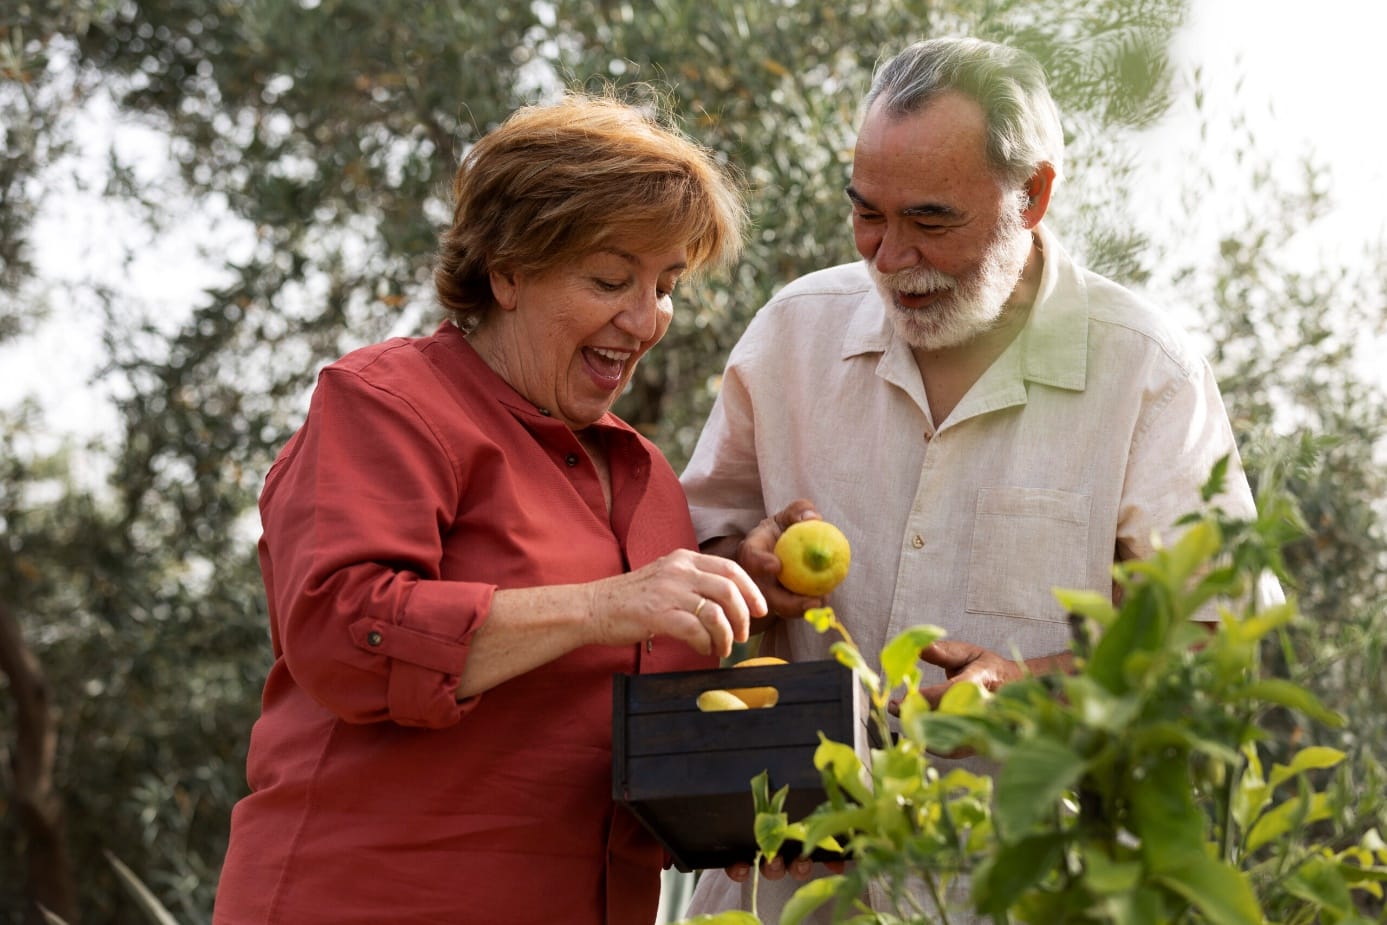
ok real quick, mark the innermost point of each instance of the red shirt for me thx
(418, 485)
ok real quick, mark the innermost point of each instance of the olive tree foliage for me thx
(327, 131)
(1289, 347)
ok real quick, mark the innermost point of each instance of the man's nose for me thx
(895, 253)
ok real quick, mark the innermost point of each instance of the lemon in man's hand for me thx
(814, 557)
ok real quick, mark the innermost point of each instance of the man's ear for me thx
(1038, 189)
(504, 289)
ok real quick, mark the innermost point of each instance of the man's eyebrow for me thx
(928, 209)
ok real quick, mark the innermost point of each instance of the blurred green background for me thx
(311, 145)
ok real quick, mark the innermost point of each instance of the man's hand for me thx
(800, 869)
(755, 553)
(964, 661)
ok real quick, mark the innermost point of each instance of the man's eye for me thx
(609, 285)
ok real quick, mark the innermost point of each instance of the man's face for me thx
(944, 241)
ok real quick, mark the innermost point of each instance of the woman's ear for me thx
(1038, 189)
(504, 289)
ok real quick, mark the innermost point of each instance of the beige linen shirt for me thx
(1089, 436)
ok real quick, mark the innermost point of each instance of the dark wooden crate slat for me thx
(733, 730)
(675, 692)
(723, 824)
(660, 776)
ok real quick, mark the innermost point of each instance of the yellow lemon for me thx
(756, 697)
(715, 700)
(814, 557)
(759, 661)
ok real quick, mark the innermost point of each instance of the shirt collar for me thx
(487, 380)
(1054, 343)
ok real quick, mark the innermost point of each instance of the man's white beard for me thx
(972, 305)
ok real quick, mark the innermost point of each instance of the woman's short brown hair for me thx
(556, 181)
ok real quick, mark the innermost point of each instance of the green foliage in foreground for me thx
(1132, 791)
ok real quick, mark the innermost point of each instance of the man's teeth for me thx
(616, 356)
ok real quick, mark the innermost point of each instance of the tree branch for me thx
(37, 803)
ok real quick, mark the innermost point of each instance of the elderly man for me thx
(983, 418)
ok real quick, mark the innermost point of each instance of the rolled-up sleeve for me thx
(354, 517)
(1184, 432)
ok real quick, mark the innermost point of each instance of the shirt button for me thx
(917, 541)
(544, 411)
(374, 639)
(571, 459)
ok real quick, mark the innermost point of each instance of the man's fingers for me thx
(949, 655)
(934, 693)
(794, 512)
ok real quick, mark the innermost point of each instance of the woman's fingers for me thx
(703, 600)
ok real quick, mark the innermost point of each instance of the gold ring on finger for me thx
(698, 608)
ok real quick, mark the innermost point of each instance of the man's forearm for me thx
(1058, 663)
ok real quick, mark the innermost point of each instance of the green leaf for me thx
(1138, 628)
(1015, 868)
(1104, 875)
(964, 699)
(1141, 906)
(1289, 694)
(1316, 757)
(1097, 707)
(761, 796)
(823, 824)
(842, 763)
(1088, 604)
(901, 655)
(810, 897)
(771, 832)
(1267, 620)
(1196, 546)
(1218, 478)
(1218, 890)
(1036, 774)
(1165, 817)
(849, 655)
(733, 917)
(1286, 816)
(1319, 882)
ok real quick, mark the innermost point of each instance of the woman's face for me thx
(568, 338)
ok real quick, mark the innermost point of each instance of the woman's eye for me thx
(609, 285)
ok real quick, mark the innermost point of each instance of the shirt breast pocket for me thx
(1027, 541)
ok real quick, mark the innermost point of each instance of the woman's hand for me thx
(703, 600)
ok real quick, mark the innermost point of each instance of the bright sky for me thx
(1307, 76)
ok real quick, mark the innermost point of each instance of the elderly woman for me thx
(462, 545)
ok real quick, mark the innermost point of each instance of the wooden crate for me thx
(687, 774)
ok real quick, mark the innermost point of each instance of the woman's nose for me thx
(641, 318)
